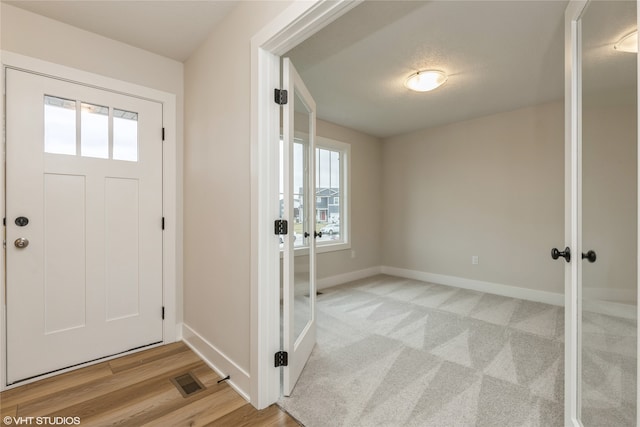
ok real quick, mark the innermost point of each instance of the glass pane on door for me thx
(303, 227)
(608, 328)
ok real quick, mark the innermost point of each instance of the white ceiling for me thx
(171, 28)
(609, 76)
(499, 55)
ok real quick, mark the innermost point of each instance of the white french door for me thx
(83, 224)
(601, 209)
(299, 272)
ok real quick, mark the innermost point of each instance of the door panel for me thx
(84, 165)
(608, 226)
(299, 290)
(64, 252)
(602, 214)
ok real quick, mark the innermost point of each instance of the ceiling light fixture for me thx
(628, 43)
(426, 80)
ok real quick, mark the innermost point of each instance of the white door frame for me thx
(573, 125)
(169, 180)
(299, 21)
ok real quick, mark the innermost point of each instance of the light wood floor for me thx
(136, 391)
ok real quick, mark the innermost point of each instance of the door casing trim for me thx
(169, 187)
(295, 24)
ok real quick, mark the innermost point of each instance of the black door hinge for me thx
(281, 96)
(163, 134)
(163, 223)
(281, 227)
(162, 312)
(281, 359)
(4, 221)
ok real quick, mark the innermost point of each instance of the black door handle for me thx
(315, 234)
(590, 256)
(566, 254)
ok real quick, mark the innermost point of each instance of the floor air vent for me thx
(187, 384)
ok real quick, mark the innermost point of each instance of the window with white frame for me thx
(332, 194)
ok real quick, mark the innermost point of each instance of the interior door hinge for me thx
(163, 223)
(162, 312)
(281, 227)
(281, 96)
(163, 134)
(281, 359)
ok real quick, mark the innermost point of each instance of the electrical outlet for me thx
(474, 259)
(353, 253)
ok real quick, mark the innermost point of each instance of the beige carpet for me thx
(396, 352)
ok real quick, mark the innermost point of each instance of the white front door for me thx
(83, 224)
(299, 272)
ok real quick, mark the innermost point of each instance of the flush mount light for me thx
(426, 80)
(628, 43)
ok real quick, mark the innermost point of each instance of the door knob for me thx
(590, 256)
(315, 234)
(21, 243)
(566, 254)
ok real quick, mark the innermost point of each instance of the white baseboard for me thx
(616, 295)
(239, 378)
(594, 304)
(614, 309)
(339, 279)
(477, 285)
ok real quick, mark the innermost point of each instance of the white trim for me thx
(170, 207)
(572, 126)
(614, 309)
(239, 379)
(626, 311)
(620, 296)
(638, 223)
(339, 279)
(609, 308)
(477, 285)
(265, 253)
(345, 185)
(292, 26)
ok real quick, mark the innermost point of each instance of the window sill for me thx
(321, 249)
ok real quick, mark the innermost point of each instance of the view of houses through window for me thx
(329, 194)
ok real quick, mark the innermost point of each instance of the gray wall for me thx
(217, 182)
(366, 203)
(491, 187)
(609, 215)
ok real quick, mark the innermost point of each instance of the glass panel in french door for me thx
(608, 269)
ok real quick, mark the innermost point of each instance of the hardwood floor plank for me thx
(73, 396)
(52, 385)
(122, 403)
(154, 398)
(137, 359)
(203, 411)
(136, 390)
(10, 411)
(247, 416)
